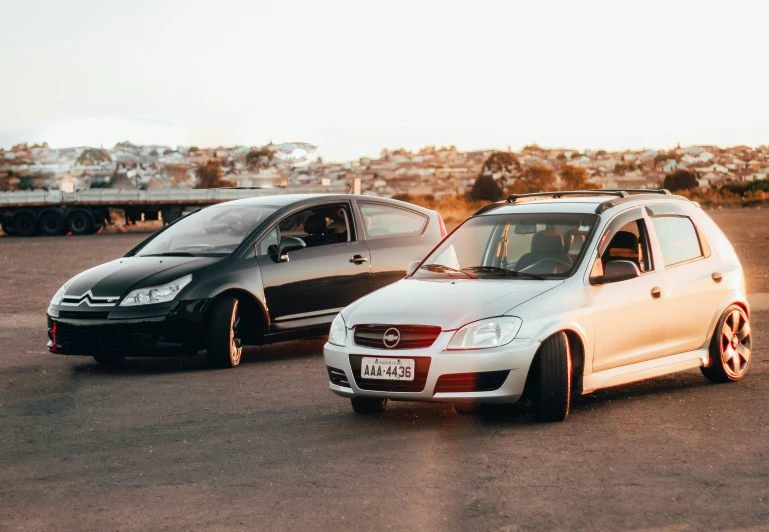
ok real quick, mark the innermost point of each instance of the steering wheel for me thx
(541, 266)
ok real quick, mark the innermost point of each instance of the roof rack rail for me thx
(622, 193)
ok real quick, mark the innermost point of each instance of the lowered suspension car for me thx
(550, 295)
(252, 271)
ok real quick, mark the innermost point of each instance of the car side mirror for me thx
(615, 271)
(289, 243)
(413, 265)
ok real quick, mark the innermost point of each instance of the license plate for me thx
(391, 369)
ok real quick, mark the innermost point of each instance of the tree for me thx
(26, 183)
(257, 159)
(539, 178)
(503, 163)
(573, 177)
(486, 189)
(210, 175)
(93, 157)
(681, 179)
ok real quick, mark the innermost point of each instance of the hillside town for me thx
(431, 171)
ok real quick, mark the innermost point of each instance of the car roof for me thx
(284, 200)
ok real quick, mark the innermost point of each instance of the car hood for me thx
(117, 278)
(448, 304)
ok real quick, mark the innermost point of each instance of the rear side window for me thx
(384, 220)
(678, 239)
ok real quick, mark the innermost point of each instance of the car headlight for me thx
(483, 334)
(156, 294)
(338, 333)
(58, 296)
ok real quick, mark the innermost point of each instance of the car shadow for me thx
(252, 356)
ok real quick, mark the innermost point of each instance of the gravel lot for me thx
(171, 444)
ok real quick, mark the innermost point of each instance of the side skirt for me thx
(644, 370)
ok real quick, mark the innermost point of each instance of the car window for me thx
(384, 220)
(630, 242)
(321, 225)
(269, 244)
(678, 239)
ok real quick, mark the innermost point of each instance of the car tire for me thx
(24, 224)
(466, 409)
(730, 347)
(553, 366)
(79, 223)
(368, 405)
(224, 343)
(51, 224)
(108, 361)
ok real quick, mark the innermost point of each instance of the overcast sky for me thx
(356, 76)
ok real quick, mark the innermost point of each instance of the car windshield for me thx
(529, 246)
(214, 231)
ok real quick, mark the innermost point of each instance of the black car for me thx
(245, 272)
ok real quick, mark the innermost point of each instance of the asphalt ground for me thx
(169, 444)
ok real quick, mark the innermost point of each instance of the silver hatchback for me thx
(549, 295)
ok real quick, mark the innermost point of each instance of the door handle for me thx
(717, 276)
(357, 259)
(656, 292)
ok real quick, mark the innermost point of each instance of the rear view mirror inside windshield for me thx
(525, 229)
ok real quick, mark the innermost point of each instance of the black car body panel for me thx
(282, 299)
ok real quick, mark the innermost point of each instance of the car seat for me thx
(623, 246)
(315, 226)
(544, 244)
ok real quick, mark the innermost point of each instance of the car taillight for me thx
(53, 338)
(442, 226)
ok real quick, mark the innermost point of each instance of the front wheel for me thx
(553, 379)
(730, 348)
(368, 405)
(224, 340)
(79, 223)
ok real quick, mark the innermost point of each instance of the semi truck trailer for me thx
(83, 212)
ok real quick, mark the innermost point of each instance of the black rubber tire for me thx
(552, 396)
(716, 372)
(79, 223)
(24, 224)
(7, 229)
(108, 361)
(466, 409)
(221, 329)
(368, 405)
(51, 224)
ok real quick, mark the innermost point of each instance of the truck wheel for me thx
(8, 229)
(24, 224)
(79, 223)
(730, 347)
(51, 224)
(553, 379)
(225, 344)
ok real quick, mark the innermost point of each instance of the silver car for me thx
(550, 295)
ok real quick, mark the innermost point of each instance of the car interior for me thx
(628, 244)
(318, 226)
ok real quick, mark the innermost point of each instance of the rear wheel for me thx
(730, 348)
(79, 223)
(553, 378)
(368, 405)
(224, 339)
(24, 224)
(51, 224)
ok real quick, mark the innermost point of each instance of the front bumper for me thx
(172, 329)
(514, 358)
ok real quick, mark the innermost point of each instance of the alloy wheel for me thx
(236, 345)
(735, 344)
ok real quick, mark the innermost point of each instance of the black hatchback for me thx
(245, 272)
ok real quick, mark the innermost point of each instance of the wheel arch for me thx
(254, 312)
(577, 342)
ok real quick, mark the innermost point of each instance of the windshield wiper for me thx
(443, 269)
(171, 254)
(503, 271)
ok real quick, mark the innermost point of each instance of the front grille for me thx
(411, 336)
(84, 314)
(486, 381)
(337, 377)
(421, 368)
(66, 334)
